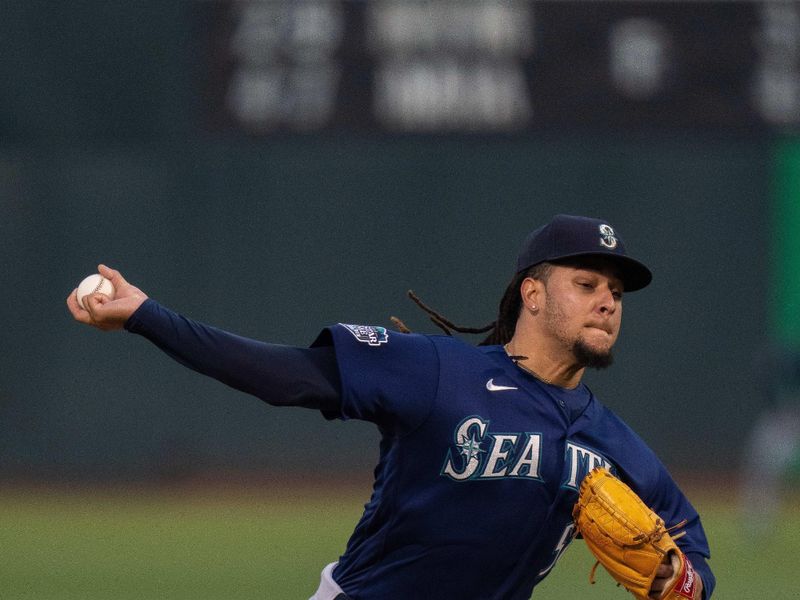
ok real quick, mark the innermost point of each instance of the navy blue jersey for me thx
(479, 468)
(479, 462)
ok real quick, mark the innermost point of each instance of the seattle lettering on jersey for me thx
(503, 456)
(580, 461)
(479, 454)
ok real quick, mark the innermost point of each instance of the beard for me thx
(585, 355)
(591, 357)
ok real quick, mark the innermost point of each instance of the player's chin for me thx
(594, 355)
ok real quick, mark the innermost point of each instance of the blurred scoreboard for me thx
(453, 66)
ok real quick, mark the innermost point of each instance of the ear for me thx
(532, 293)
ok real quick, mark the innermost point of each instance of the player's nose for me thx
(607, 302)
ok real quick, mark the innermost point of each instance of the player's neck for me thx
(564, 374)
(546, 364)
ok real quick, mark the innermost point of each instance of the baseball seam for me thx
(99, 285)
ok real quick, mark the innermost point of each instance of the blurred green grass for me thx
(253, 542)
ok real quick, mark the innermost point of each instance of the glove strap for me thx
(686, 586)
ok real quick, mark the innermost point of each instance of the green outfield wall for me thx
(785, 247)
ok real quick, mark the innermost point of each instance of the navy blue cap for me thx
(568, 236)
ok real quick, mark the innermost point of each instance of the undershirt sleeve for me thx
(277, 374)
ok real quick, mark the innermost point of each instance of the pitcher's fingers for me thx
(93, 302)
(78, 313)
(665, 571)
(114, 276)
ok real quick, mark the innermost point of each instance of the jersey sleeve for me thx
(387, 378)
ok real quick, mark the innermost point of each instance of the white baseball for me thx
(92, 284)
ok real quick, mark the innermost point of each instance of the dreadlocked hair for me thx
(502, 328)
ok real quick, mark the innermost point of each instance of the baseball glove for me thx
(629, 539)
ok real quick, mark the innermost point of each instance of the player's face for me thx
(583, 310)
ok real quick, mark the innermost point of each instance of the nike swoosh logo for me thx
(492, 387)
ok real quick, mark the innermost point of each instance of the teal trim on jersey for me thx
(785, 296)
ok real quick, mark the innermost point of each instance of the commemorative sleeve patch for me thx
(368, 334)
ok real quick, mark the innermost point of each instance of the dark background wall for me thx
(104, 157)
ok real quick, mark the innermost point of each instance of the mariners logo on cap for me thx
(367, 334)
(607, 236)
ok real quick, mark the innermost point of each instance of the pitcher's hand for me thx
(101, 311)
